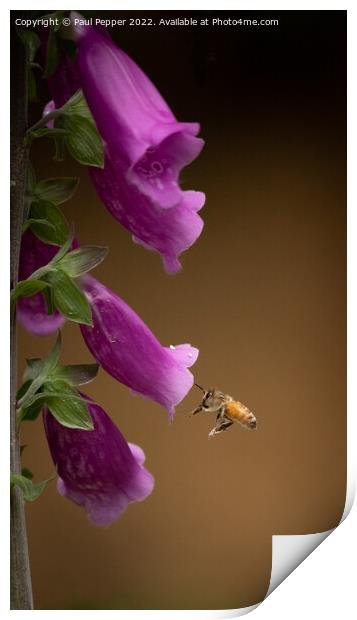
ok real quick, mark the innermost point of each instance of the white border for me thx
(324, 585)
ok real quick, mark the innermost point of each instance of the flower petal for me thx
(139, 130)
(127, 349)
(137, 125)
(138, 453)
(184, 354)
(32, 315)
(168, 231)
(49, 107)
(156, 173)
(97, 469)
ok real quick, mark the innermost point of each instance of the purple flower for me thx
(98, 469)
(32, 311)
(137, 125)
(126, 348)
(168, 231)
(49, 107)
(145, 147)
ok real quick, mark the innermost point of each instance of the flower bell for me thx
(127, 349)
(97, 469)
(145, 146)
(168, 231)
(141, 132)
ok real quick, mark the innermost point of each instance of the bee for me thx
(228, 411)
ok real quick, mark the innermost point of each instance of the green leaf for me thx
(28, 223)
(48, 295)
(52, 54)
(56, 190)
(74, 127)
(83, 140)
(76, 374)
(51, 360)
(23, 388)
(70, 411)
(56, 231)
(30, 490)
(26, 288)
(77, 105)
(32, 369)
(27, 473)
(68, 298)
(73, 374)
(43, 370)
(41, 397)
(32, 42)
(38, 401)
(31, 412)
(81, 260)
(41, 272)
(64, 248)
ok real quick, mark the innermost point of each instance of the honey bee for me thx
(228, 411)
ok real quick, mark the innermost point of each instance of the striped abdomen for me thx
(237, 412)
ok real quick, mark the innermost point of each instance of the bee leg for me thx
(223, 427)
(197, 410)
(219, 428)
(219, 419)
(221, 415)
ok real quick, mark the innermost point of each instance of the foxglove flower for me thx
(126, 348)
(98, 469)
(135, 122)
(168, 231)
(32, 311)
(145, 146)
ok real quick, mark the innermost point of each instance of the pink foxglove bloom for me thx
(136, 123)
(168, 231)
(126, 348)
(32, 311)
(98, 469)
(145, 146)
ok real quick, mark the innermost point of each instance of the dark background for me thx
(262, 294)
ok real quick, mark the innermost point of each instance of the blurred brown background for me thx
(262, 294)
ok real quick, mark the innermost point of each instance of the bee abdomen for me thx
(236, 411)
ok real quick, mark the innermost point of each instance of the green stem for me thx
(21, 590)
(43, 121)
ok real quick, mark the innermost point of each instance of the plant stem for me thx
(21, 590)
(43, 121)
